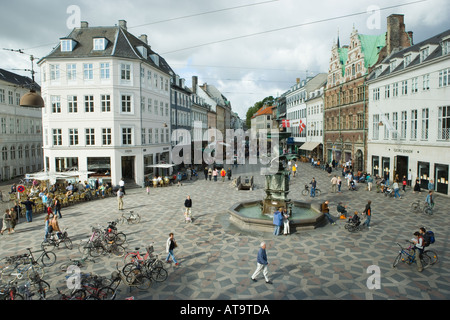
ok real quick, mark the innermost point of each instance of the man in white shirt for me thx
(122, 185)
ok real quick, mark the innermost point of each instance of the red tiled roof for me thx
(263, 111)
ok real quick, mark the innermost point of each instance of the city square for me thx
(217, 258)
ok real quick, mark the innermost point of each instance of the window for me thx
(394, 125)
(143, 104)
(13, 153)
(72, 104)
(54, 72)
(156, 107)
(413, 124)
(375, 126)
(360, 120)
(73, 137)
(149, 105)
(156, 135)
(403, 125)
(150, 136)
(125, 71)
(395, 89)
(167, 135)
(88, 71)
(90, 136)
(161, 108)
(126, 136)
(57, 140)
(99, 43)
(424, 54)
(4, 153)
(444, 123)
(387, 92)
(407, 60)
(106, 102)
(104, 71)
(66, 45)
(167, 109)
(425, 123)
(360, 93)
(376, 94)
(56, 104)
(143, 136)
(71, 72)
(2, 95)
(444, 78)
(445, 47)
(405, 87)
(126, 103)
(20, 152)
(89, 103)
(426, 82)
(106, 136)
(414, 85)
(155, 79)
(386, 129)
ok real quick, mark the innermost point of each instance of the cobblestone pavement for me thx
(217, 259)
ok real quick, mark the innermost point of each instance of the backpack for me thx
(428, 238)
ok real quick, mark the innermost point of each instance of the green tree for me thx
(258, 105)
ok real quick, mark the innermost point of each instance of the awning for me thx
(161, 165)
(309, 146)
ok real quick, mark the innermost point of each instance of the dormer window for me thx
(406, 60)
(445, 47)
(100, 44)
(143, 51)
(393, 65)
(67, 45)
(424, 53)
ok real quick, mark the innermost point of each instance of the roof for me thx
(343, 56)
(371, 46)
(265, 110)
(17, 80)
(121, 44)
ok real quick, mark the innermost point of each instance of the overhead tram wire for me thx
(290, 27)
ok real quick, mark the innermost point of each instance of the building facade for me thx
(409, 115)
(20, 129)
(107, 108)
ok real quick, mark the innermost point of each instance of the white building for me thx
(20, 129)
(409, 114)
(107, 108)
(314, 120)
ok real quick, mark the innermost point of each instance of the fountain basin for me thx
(248, 216)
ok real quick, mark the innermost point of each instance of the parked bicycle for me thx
(422, 206)
(76, 262)
(408, 256)
(98, 245)
(54, 240)
(29, 289)
(150, 264)
(130, 218)
(307, 191)
(134, 278)
(9, 292)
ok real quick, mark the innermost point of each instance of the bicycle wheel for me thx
(15, 296)
(96, 250)
(35, 273)
(136, 218)
(432, 255)
(415, 206)
(426, 261)
(68, 243)
(117, 250)
(129, 267)
(428, 211)
(43, 289)
(142, 281)
(318, 192)
(79, 294)
(48, 259)
(47, 246)
(159, 274)
(106, 293)
(120, 238)
(305, 192)
(398, 259)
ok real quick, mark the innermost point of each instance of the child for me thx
(404, 182)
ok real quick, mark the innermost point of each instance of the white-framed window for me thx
(425, 123)
(88, 71)
(72, 104)
(444, 78)
(143, 104)
(10, 97)
(156, 135)
(125, 71)
(66, 45)
(88, 103)
(57, 139)
(150, 136)
(54, 72)
(395, 89)
(376, 94)
(2, 95)
(127, 136)
(444, 123)
(394, 125)
(106, 136)
(90, 136)
(414, 124)
(4, 153)
(149, 105)
(104, 71)
(56, 104)
(167, 109)
(407, 60)
(161, 108)
(445, 47)
(404, 87)
(156, 107)
(424, 53)
(167, 135)
(126, 103)
(143, 135)
(426, 82)
(106, 102)
(71, 71)
(414, 85)
(403, 125)
(73, 137)
(387, 92)
(386, 130)
(99, 44)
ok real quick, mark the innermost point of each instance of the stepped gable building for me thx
(346, 95)
(107, 111)
(409, 114)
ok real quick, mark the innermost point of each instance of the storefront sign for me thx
(403, 150)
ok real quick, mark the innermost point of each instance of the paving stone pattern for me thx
(217, 258)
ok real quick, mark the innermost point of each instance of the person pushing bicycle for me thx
(418, 247)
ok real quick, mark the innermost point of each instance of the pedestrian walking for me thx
(215, 174)
(57, 206)
(286, 228)
(368, 212)
(28, 209)
(14, 218)
(396, 189)
(205, 172)
(277, 221)
(171, 244)
(120, 195)
(404, 183)
(6, 222)
(294, 170)
(369, 180)
(210, 172)
(229, 174)
(223, 174)
(339, 184)
(188, 209)
(334, 181)
(262, 264)
(313, 184)
(122, 185)
(47, 227)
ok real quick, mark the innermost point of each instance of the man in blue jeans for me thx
(29, 209)
(277, 221)
(313, 184)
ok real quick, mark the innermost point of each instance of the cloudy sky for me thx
(248, 49)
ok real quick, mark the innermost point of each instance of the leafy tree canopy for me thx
(270, 100)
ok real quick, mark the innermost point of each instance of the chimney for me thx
(143, 38)
(84, 24)
(123, 24)
(298, 80)
(411, 39)
(194, 84)
(396, 36)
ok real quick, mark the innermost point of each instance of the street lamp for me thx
(32, 99)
